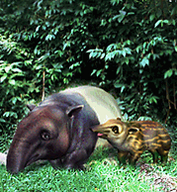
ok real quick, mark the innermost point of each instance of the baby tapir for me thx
(133, 138)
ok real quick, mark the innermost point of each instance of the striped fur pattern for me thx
(131, 139)
(156, 139)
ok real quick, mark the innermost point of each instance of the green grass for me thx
(103, 173)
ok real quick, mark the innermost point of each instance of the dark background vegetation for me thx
(127, 47)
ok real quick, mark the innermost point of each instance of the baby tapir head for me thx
(115, 131)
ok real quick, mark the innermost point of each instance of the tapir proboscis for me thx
(59, 128)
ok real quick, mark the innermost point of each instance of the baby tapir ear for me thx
(132, 130)
(31, 106)
(74, 110)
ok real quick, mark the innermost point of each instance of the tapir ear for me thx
(74, 110)
(31, 106)
(132, 130)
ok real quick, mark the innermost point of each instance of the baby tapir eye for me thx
(115, 129)
(45, 135)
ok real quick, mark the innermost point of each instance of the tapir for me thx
(59, 128)
(132, 138)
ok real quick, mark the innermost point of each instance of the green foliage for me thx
(126, 46)
(13, 81)
(140, 57)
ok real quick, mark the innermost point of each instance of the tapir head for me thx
(43, 134)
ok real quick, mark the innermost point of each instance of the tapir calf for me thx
(131, 139)
(58, 129)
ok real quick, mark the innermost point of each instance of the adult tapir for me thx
(58, 129)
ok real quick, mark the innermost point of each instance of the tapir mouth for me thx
(32, 160)
(102, 135)
(101, 132)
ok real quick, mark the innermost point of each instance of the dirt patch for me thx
(157, 179)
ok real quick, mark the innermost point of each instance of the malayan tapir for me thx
(58, 129)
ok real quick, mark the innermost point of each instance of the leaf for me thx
(99, 72)
(102, 55)
(144, 62)
(175, 71)
(176, 48)
(7, 69)
(77, 64)
(157, 23)
(121, 16)
(122, 88)
(123, 52)
(159, 13)
(3, 78)
(103, 22)
(166, 21)
(152, 16)
(173, 22)
(10, 114)
(93, 72)
(114, 2)
(17, 70)
(92, 54)
(2, 120)
(153, 99)
(144, 118)
(14, 100)
(37, 28)
(12, 82)
(168, 73)
(49, 37)
(117, 84)
(118, 70)
(111, 47)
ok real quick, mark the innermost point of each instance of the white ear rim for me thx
(73, 110)
(120, 128)
(132, 130)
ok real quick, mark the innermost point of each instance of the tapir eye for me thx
(115, 129)
(45, 135)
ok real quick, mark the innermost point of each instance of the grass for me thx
(103, 173)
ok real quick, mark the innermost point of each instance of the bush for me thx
(126, 46)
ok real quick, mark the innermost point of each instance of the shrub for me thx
(129, 46)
